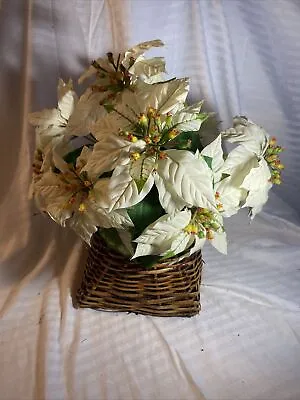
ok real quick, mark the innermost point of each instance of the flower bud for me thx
(220, 207)
(156, 136)
(276, 180)
(215, 226)
(135, 156)
(162, 155)
(169, 118)
(151, 112)
(81, 207)
(273, 141)
(192, 229)
(209, 235)
(173, 133)
(271, 158)
(143, 120)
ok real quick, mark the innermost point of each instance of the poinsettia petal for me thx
(190, 177)
(231, 196)
(66, 104)
(168, 197)
(86, 112)
(257, 182)
(181, 243)
(219, 242)
(109, 152)
(64, 87)
(123, 191)
(163, 232)
(148, 68)
(250, 135)
(140, 49)
(215, 152)
(189, 119)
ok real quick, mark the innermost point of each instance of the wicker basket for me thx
(112, 283)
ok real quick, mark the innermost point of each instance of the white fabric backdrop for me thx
(242, 57)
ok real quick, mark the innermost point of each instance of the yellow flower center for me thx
(82, 207)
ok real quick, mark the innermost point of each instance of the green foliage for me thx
(71, 157)
(145, 212)
(113, 240)
(208, 161)
(186, 141)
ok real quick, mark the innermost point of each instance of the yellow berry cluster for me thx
(79, 187)
(152, 131)
(272, 158)
(203, 224)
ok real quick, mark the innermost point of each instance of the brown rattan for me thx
(167, 289)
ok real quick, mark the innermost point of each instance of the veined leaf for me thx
(139, 50)
(168, 197)
(162, 233)
(189, 118)
(109, 152)
(244, 132)
(123, 191)
(141, 169)
(147, 68)
(190, 177)
(66, 104)
(181, 243)
(213, 155)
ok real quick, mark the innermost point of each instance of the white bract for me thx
(126, 159)
(247, 165)
(174, 234)
(51, 124)
(71, 197)
(132, 61)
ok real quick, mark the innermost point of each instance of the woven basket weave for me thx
(113, 283)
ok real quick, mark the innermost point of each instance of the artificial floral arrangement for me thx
(124, 166)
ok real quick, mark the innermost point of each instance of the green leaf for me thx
(113, 240)
(140, 183)
(71, 157)
(186, 141)
(224, 176)
(169, 254)
(208, 161)
(148, 261)
(109, 107)
(145, 212)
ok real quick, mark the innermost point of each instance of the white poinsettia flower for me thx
(71, 198)
(51, 124)
(132, 135)
(182, 232)
(226, 182)
(233, 175)
(87, 111)
(248, 134)
(257, 183)
(158, 238)
(254, 164)
(126, 68)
